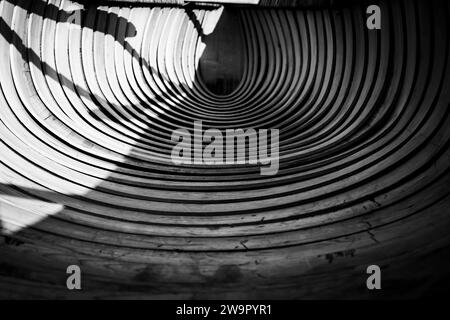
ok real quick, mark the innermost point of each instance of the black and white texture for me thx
(90, 95)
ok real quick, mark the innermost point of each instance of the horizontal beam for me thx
(264, 3)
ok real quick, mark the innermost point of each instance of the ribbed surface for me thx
(86, 176)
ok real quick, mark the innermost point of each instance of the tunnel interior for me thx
(91, 94)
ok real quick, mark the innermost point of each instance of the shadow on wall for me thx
(47, 11)
(221, 65)
(34, 265)
(101, 24)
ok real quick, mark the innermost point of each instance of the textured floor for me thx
(87, 108)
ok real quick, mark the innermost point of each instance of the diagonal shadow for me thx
(76, 17)
(13, 262)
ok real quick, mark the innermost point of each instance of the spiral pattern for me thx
(90, 96)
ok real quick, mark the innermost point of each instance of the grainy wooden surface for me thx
(87, 109)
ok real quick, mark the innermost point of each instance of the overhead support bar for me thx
(263, 3)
